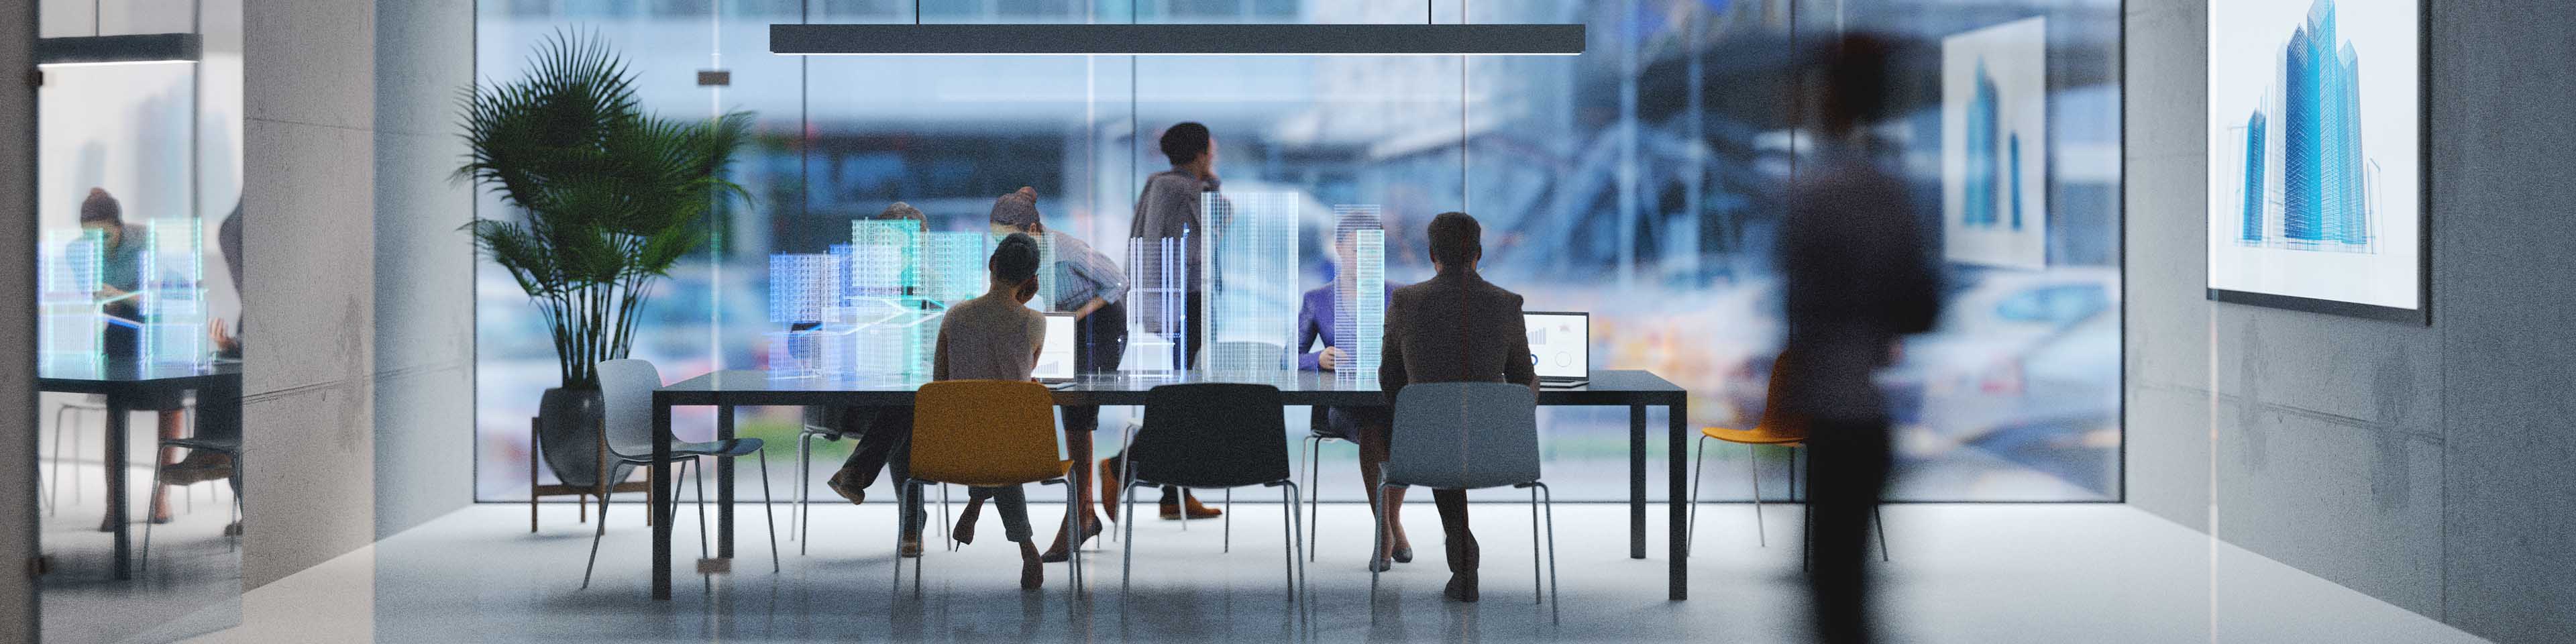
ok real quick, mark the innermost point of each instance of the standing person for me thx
(1168, 210)
(880, 433)
(1858, 279)
(1090, 286)
(1320, 347)
(1455, 328)
(996, 336)
(121, 258)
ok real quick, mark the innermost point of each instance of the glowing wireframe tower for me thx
(885, 256)
(1985, 126)
(2253, 185)
(171, 298)
(952, 268)
(807, 295)
(70, 323)
(1157, 302)
(1359, 290)
(1252, 271)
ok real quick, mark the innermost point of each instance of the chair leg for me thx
(146, 555)
(698, 473)
(1535, 595)
(1880, 524)
(903, 494)
(1288, 549)
(1229, 520)
(1699, 466)
(594, 539)
(1377, 538)
(1314, 492)
(1555, 600)
(1304, 590)
(944, 537)
(1127, 562)
(769, 514)
(1073, 526)
(1753, 462)
(532, 477)
(800, 514)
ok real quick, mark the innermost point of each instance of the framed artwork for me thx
(1994, 145)
(2316, 156)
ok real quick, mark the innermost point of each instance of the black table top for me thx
(122, 375)
(749, 387)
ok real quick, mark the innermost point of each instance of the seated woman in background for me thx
(998, 337)
(1367, 426)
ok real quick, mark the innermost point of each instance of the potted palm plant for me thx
(599, 201)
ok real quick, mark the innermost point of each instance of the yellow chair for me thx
(1771, 429)
(985, 433)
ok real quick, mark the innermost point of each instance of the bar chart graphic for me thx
(1994, 135)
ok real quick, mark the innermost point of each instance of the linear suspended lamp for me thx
(1175, 40)
(134, 48)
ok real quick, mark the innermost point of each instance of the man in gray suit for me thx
(1455, 328)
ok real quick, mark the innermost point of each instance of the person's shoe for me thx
(198, 467)
(1380, 564)
(233, 530)
(911, 548)
(1059, 553)
(1109, 487)
(1032, 573)
(840, 484)
(964, 533)
(1403, 552)
(1462, 588)
(1172, 511)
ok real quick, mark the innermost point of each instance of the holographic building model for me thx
(1359, 290)
(1252, 271)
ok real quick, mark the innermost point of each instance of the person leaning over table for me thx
(1455, 328)
(121, 254)
(997, 337)
(1320, 348)
(880, 433)
(1090, 286)
(1168, 210)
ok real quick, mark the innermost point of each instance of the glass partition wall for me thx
(139, 304)
(1640, 181)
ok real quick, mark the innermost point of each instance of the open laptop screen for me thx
(1055, 358)
(1560, 344)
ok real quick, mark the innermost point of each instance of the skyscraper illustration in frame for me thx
(2315, 155)
(1994, 145)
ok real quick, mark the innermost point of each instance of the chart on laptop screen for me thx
(1055, 358)
(1560, 345)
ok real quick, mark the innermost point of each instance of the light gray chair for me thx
(230, 447)
(626, 406)
(1469, 436)
(76, 411)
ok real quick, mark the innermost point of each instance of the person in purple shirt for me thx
(1320, 347)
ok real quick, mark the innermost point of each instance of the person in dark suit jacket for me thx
(1455, 328)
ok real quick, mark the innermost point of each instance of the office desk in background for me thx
(121, 384)
(726, 390)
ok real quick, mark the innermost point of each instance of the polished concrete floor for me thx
(1961, 573)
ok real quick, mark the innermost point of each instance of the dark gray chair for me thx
(226, 446)
(1468, 436)
(626, 406)
(1215, 435)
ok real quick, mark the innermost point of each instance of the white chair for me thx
(626, 405)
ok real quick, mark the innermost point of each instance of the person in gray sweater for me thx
(1168, 210)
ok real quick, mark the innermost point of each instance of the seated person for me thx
(1092, 287)
(997, 337)
(1316, 325)
(120, 260)
(1455, 328)
(879, 432)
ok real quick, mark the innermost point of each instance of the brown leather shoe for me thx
(1032, 574)
(1110, 484)
(1172, 511)
(840, 484)
(911, 548)
(1462, 588)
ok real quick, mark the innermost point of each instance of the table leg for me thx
(1636, 481)
(116, 455)
(1677, 500)
(661, 497)
(724, 485)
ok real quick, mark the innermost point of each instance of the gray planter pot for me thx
(568, 434)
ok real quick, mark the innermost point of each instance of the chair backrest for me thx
(1464, 435)
(626, 405)
(984, 433)
(1212, 435)
(1775, 421)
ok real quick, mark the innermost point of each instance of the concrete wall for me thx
(18, 518)
(355, 274)
(2428, 466)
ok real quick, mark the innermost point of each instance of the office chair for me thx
(1468, 436)
(626, 406)
(986, 433)
(1771, 429)
(230, 447)
(1215, 435)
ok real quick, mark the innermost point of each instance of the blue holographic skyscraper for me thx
(2253, 185)
(1985, 123)
(2322, 188)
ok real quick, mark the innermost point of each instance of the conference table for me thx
(725, 390)
(122, 383)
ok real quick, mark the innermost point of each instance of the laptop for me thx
(1055, 358)
(1560, 348)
